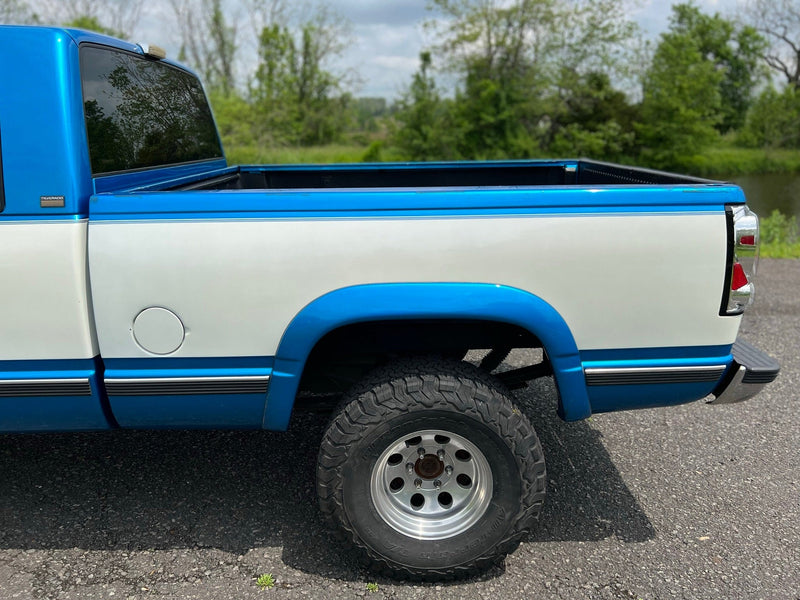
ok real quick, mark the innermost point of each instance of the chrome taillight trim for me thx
(745, 225)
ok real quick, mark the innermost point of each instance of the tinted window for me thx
(142, 113)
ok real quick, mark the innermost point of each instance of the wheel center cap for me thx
(429, 466)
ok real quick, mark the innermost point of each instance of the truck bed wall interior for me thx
(402, 175)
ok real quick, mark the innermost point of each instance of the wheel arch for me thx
(419, 301)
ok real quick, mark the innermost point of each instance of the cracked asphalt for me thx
(685, 502)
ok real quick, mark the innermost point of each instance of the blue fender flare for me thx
(395, 301)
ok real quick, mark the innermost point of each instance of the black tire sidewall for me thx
(465, 548)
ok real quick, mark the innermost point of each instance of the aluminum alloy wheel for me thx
(431, 484)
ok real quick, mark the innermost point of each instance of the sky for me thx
(388, 37)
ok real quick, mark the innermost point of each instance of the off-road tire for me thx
(416, 394)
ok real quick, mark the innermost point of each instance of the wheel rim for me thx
(431, 484)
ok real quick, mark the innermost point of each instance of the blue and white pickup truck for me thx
(147, 283)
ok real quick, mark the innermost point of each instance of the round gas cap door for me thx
(158, 330)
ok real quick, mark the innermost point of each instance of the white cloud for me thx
(384, 56)
(402, 63)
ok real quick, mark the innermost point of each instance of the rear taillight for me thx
(743, 260)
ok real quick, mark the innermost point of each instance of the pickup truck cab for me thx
(147, 283)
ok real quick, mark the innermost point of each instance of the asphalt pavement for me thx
(686, 502)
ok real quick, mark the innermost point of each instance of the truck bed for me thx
(427, 175)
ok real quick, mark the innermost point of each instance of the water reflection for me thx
(766, 193)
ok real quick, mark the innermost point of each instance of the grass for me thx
(728, 160)
(725, 159)
(265, 581)
(335, 153)
(780, 250)
(372, 587)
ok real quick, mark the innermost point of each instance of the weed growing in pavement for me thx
(372, 587)
(265, 581)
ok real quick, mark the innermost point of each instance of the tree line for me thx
(546, 78)
(526, 78)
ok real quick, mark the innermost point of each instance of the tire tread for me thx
(430, 382)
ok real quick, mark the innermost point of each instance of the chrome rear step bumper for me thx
(751, 370)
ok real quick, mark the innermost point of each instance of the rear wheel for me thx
(430, 471)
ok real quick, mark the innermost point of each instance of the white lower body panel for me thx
(44, 300)
(619, 281)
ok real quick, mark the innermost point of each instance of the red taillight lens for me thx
(739, 279)
(748, 240)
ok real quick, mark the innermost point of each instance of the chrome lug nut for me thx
(448, 469)
(440, 454)
(418, 483)
(437, 484)
(421, 451)
(410, 468)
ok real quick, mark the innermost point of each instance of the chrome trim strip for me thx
(27, 388)
(184, 386)
(652, 375)
(173, 379)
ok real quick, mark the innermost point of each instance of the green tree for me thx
(773, 120)
(369, 112)
(734, 52)
(594, 120)
(223, 48)
(682, 104)
(498, 51)
(518, 61)
(425, 129)
(236, 120)
(300, 98)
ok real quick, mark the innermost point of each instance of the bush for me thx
(779, 236)
(773, 121)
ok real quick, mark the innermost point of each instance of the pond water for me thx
(765, 193)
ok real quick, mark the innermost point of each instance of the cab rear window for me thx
(142, 113)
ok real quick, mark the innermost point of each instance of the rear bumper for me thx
(751, 370)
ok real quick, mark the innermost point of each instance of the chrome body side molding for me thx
(30, 388)
(184, 386)
(653, 375)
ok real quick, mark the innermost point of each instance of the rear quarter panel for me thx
(236, 268)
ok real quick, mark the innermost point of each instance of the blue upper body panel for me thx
(398, 202)
(41, 123)
(42, 129)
